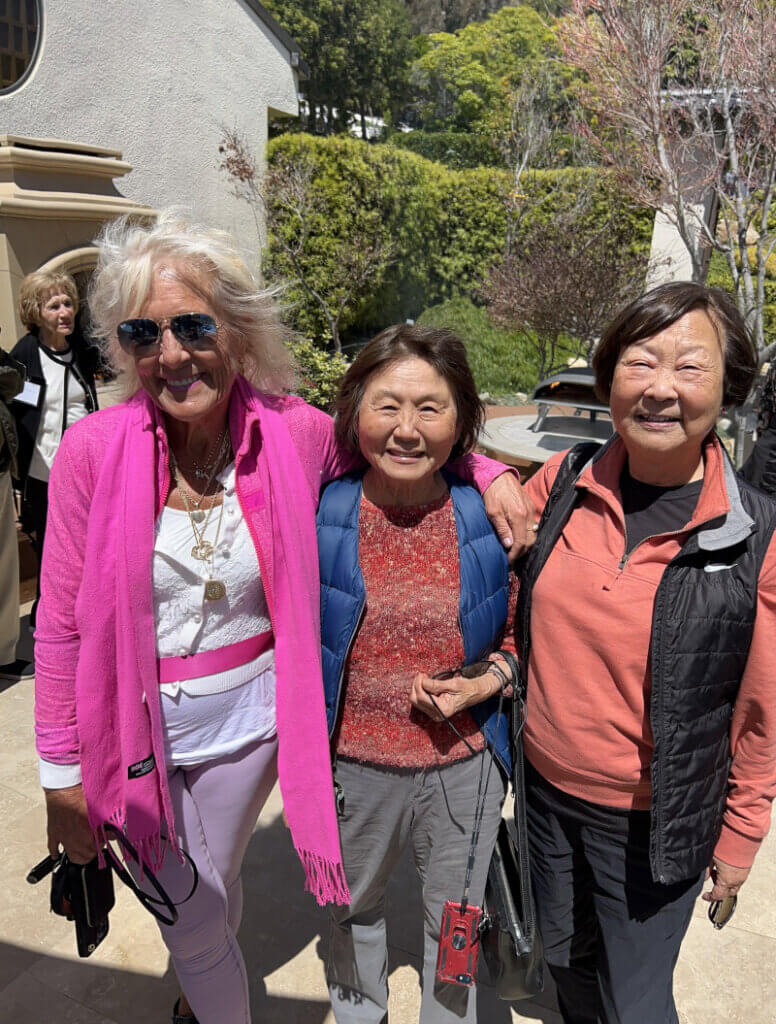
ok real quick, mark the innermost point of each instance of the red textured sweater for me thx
(409, 561)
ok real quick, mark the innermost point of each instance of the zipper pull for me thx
(623, 560)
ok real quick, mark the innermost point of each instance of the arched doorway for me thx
(56, 196)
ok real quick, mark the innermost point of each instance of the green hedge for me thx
(502, 361)
(458, 150)
(446, 228)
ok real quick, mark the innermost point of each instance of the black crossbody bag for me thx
(511, 942)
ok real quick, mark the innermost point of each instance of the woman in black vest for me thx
(645, 623)
(59, 390)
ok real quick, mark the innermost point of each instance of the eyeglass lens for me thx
(195, 330)
(477, 668)
(720, 911)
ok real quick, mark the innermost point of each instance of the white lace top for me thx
(186, 622)
(215, 715)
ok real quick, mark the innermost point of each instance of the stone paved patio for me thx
(727, 976)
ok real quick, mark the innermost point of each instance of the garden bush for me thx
(457, 150)
(320, 372)
(503, 362)
(720, 277)
(445, 228)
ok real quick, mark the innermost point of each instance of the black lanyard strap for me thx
(149, 902)
(517, 707)
(479, 809)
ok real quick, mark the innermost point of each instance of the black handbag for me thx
(84, 893)
(511, 942)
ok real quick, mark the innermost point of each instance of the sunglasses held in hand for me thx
(477, 668)
(141, 334)
(720, 911)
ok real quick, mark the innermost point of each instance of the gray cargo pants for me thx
(384, 810)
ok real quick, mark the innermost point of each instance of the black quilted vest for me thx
(702, 626)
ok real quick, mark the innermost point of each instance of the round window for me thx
(19, 36)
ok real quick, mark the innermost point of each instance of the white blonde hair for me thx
(208, 262)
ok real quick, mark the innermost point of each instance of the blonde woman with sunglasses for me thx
(178, 643)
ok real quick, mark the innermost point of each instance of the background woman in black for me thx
(759, 470)
(60, 390)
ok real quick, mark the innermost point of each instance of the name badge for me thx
(29, 395)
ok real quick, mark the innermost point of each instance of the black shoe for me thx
(18, 669)
(182, 1018)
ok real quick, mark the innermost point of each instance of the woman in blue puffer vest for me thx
(414, 583)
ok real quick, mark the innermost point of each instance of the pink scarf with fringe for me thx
(117, 683)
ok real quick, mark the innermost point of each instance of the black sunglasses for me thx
(720, 911)
(477, 668)
(193, 331)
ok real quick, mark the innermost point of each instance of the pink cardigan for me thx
(77, 467)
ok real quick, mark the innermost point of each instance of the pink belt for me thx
(207, 663)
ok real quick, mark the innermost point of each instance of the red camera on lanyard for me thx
(459, 943)
(459, 933)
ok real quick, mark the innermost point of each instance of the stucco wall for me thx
(157, 80)
(671, 260)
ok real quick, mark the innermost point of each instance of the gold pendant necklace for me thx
(204, 550)
(215, 589)
(196, 514)
(202, 471)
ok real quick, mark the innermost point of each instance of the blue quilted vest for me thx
(482, 612)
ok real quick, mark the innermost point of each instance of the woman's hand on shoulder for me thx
(512, 514)
(451, 695)
(68, 824)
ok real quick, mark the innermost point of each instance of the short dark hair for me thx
(662, 306)
(441, 349)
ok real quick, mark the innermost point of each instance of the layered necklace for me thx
(204, 470)
(199, 517)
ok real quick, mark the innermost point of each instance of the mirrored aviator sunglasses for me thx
(193, 330)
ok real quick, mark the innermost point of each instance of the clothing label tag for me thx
(30, 394)
(140, 768)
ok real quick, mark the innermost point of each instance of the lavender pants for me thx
(216, 805)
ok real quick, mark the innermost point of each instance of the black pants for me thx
(611, 935)
(34, 515)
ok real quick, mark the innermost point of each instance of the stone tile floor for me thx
(727, 976)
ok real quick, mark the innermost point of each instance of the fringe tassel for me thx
(151, 849)
(324, 878)
(100, 839)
